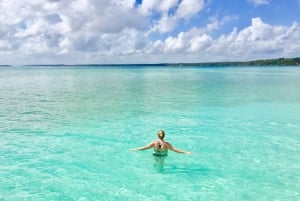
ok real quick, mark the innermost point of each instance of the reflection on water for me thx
(176, 169)
(159, 162)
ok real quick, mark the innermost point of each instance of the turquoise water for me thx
(65, 133)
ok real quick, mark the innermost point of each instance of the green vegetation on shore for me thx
(267, 62)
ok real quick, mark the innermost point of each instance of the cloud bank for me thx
(125, 31)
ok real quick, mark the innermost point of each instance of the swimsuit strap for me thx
(161, 144)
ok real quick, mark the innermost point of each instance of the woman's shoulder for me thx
(167, 143)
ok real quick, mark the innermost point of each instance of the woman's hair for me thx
(162, 135)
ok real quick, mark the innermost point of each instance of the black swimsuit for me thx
(160, 152)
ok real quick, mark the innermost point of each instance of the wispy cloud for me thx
(259, 2)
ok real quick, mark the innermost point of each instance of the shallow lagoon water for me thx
(65, 133)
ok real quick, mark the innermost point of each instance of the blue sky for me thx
(147, 31)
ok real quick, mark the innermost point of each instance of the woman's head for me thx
(161, 134)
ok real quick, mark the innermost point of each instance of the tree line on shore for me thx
(266, 62)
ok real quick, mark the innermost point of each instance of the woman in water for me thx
(161, 147)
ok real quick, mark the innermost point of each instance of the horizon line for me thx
(295, 59)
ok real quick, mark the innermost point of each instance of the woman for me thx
(161, 147)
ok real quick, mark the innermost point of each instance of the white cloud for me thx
(148, 6)
(60, 27)
(189, 8)
(195, 40)
(100, 31)
(216, 24)
(165, 24)
(199, 43)
(171, 12)
(259, 40)
(259, 2)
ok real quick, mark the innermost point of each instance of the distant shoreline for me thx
(263, 62)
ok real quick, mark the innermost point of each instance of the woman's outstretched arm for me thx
(145, 147)
(172, 148)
